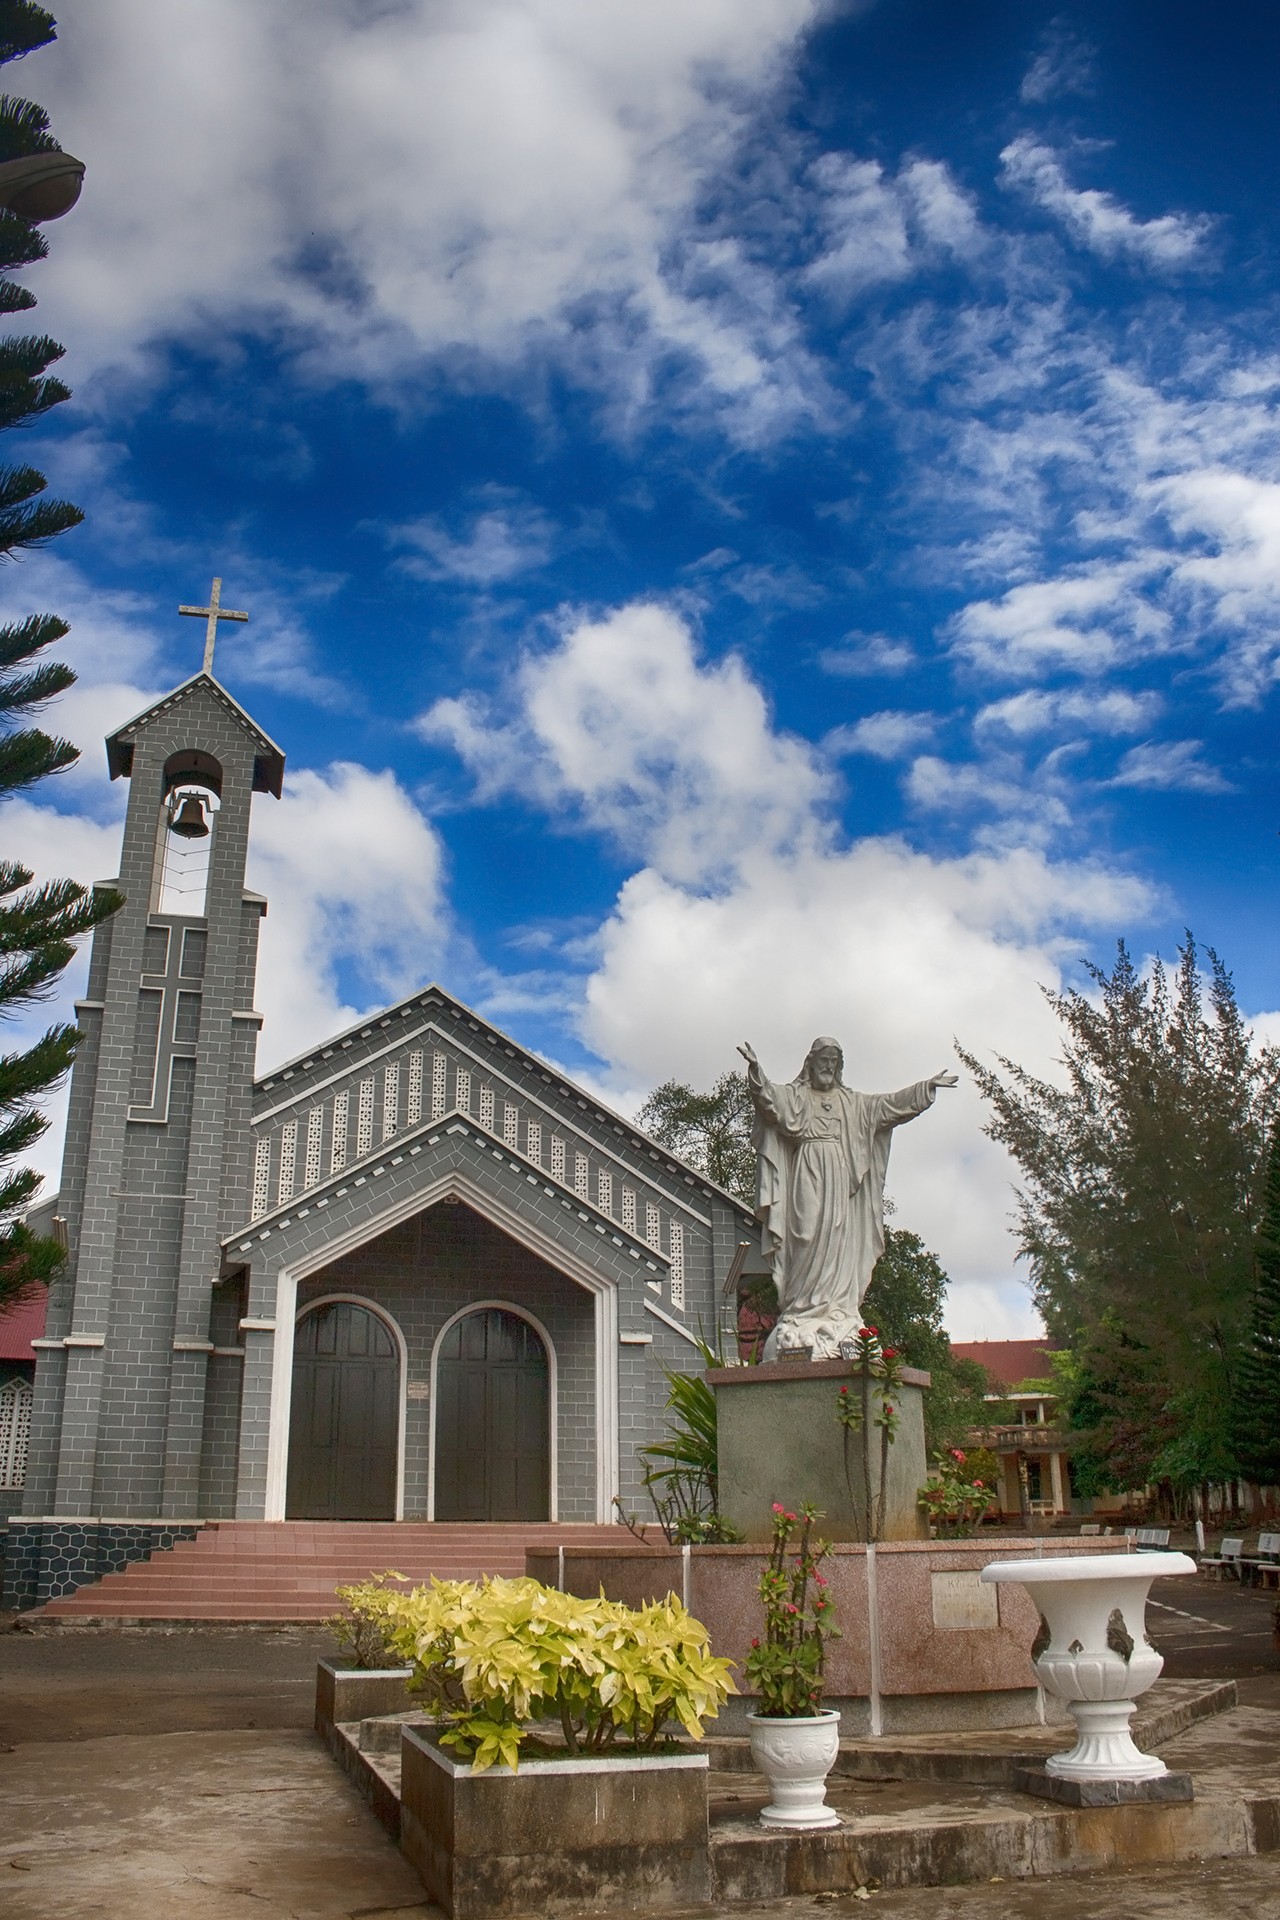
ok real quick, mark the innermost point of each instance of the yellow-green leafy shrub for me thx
(493, 1658)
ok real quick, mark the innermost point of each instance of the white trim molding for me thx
(454, 1185)
(553, 1397)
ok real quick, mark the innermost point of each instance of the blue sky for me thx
(758, 517)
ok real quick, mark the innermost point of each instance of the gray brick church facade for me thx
(414, 1273)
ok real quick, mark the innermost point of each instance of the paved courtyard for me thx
(176, 1775)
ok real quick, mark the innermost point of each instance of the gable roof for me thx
(1009, 1361)
(22, 1323)
(268, 764)
(316, 1065)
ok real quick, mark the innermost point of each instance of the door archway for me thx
(492, 1419)
(344, 1421)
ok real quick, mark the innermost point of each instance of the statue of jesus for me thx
(822, 1151)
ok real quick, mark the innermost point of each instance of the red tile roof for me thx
(1008, 1361)
(21, 1325)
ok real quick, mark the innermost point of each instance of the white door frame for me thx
(459, 1187)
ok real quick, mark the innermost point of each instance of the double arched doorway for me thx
(491, 1416)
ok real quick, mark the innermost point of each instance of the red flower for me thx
(844, 1390)
(818, 1580)
(755, 1643)
(978, 1483)
(778, 1507)
(791, 1609)
(891, 1353)
(887, 1407)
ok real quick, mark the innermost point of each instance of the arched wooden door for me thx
(344, 1423)
(493, 1407)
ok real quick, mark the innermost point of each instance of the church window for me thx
(315, 1127)
(186, 1020)
(557, 1157)
(15, 1431)
(486, 1108)
(413, 1098)
(391, 1100)
(364, 1118)
(604, 1192)
(535, 1142)
(288, 1160)
(581, 1169)
(511, 1125)
(338, 1145)
(437, 1085)
(677, 1265)
(462, 1097)
(629, 1209)
(652, 1231)
(261, 1177)
(195, 945)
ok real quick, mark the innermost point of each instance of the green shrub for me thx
(493, 1658)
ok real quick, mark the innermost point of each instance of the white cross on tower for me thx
(214, 612)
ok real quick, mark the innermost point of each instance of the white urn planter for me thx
(795, 1757)
(1092, 1651)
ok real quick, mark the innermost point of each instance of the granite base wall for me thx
(923, 1647)
(45, 1559)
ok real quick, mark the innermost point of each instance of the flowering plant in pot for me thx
(794, 1739)
(954, 1500)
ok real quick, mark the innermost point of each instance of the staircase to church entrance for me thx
(256, 1570)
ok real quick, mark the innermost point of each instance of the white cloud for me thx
(1064, 64)
(507, 536)
(622, 722)
(1170, 766)
(382, 186)
(878, 229)
(1097, 221)
(1110, 711)
(353, 874)
(866, 655)
(1083, 622)
(885, 736)
(1238, 585)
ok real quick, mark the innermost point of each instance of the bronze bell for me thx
(187, 819)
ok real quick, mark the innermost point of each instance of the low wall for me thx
(47, 1558)
(924, 1646)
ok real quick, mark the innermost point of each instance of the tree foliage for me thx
(1257, 1396)
(711, 1131)
(1143, 1175)
(38, 924)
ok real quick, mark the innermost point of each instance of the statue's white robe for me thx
(821, 1161)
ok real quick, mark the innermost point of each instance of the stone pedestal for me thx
(779, 1438)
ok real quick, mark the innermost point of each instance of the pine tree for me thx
(1257, 1395)
(38, 925)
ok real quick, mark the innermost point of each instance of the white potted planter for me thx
(1092, 1651)
(795, 1757)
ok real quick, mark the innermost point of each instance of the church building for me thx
(414, 1273)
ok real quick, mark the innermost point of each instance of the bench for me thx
(1093, 1526)
(1264, 1567)
(1226, 1561)
(1148, 1539)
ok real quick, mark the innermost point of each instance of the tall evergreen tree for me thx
(1143, 1178)
(1257, 1395)
(38, 924)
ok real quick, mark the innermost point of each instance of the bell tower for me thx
(156, 1163)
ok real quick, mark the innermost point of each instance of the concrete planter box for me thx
(925, 1646)
(359, 1693)
(559, 1836)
